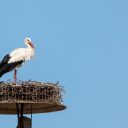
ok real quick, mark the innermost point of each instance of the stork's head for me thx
(28, 42)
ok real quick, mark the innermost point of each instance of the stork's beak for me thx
(31, 44)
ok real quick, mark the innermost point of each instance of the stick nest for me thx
(30, 92)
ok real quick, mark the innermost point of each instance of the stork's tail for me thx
(1, 69)
(3, 64)
(1, 75)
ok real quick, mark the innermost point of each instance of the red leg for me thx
(15, 75)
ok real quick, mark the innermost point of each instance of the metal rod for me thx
(18, 117)
(31, 115)
(21, 116)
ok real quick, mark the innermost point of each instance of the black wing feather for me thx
(4, 60)
(7, 67)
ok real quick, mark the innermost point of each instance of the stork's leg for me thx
(15, 75)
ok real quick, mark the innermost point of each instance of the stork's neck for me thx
(31, 50)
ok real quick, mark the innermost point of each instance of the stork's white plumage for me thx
(16, 58)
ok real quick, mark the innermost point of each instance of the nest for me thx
(30, 92)
(37, 97)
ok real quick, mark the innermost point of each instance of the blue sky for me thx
(84, 45)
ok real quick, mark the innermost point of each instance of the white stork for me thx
(16, 58)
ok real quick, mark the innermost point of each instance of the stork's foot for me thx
(14, 83)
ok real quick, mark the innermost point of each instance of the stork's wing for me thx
(17, 51)
(4, 60)
(20, 54)
(9, 67)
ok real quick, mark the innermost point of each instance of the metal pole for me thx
(31, 115)
(21, 116)
(18, 117)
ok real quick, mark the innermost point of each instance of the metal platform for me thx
(10, 108)
(36, 97)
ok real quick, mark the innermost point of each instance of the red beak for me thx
(30, 43)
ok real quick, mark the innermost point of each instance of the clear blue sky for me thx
(84, 45)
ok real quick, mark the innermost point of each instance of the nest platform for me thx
(33, 96)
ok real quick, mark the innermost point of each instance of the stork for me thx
(17, 58)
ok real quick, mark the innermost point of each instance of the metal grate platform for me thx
(42, 97)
